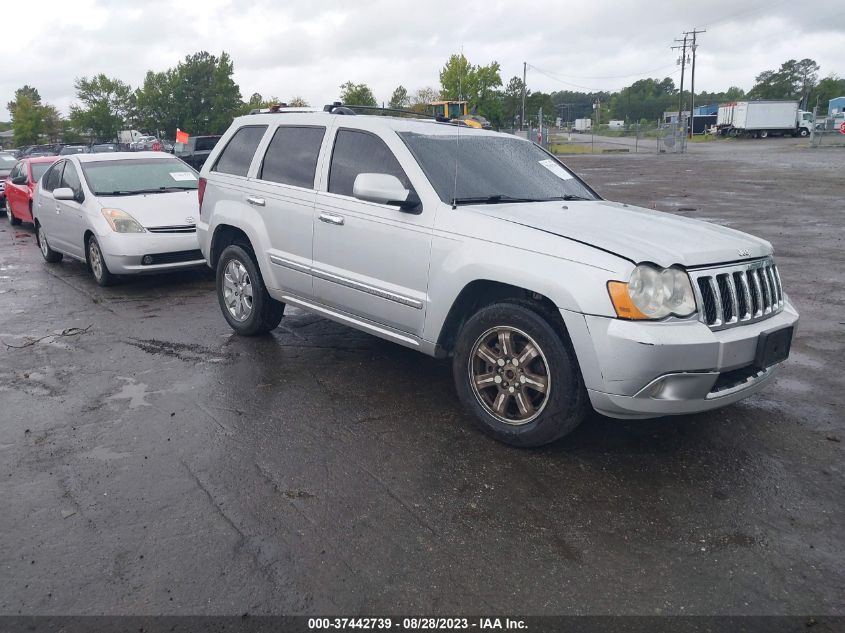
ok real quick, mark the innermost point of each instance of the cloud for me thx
(310, 48)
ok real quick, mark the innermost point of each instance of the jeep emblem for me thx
(744, 252)
(190, 220)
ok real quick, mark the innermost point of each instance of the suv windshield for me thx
(492, 169)
(147, 175)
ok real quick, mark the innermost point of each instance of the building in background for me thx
(835, 106)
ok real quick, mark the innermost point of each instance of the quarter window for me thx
(53, 177)
(291, 157)
(357, 152)
(70, 179)
(238, 153)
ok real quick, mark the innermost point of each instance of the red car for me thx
(20, 185)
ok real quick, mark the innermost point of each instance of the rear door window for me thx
(238, 153)
(291, 157)
(357, 152)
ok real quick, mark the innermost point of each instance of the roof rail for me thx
(280, 108)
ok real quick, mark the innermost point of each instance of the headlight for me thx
(653, 293)
(122, 222)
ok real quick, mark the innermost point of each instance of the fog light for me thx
(147, 260)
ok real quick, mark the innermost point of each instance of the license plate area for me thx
(773, 347)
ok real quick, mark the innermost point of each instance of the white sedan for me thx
(120, 213)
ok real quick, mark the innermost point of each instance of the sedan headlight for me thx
(122, 222)
(653, 293)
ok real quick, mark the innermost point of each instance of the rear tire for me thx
(97, 263)
(246, 305)
(50, 256)
(519, 376)
(764, 134)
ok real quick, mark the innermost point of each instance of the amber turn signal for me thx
(621, 300)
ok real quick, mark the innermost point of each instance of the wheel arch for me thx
(225, 235)
(483, 292)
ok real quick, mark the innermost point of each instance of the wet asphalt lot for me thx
(155, 463)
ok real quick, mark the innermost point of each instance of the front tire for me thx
(12, 219)
(97, 263)
(50, 256)
(518, 375)
(246, 305)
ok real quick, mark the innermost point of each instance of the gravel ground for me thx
(154, 463)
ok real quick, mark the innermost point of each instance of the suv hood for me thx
(177, 208)
(637, 234)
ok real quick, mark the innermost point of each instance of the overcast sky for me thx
(309, 48)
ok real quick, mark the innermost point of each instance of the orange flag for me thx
(181, 137)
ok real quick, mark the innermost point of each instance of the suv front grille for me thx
(742, 293)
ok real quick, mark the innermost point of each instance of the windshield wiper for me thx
(140, 191)
(493, 200)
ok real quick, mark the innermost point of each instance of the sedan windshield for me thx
(489, 169)
(38, 170)
(130, 176)
(7, 162)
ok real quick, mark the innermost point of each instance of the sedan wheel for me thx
(98, 265)
(47, 253)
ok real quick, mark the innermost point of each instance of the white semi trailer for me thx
(760, 119)
(583, 125)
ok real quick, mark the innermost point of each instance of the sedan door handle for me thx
(331, 218)
(258, 202)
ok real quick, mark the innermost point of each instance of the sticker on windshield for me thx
(182, 175)
(556, 169)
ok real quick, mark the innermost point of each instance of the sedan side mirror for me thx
(64, 193)
(385, 189)
(19, 180)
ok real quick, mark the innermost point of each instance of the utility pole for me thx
(522, 117)
(694, 46)
(683, 61)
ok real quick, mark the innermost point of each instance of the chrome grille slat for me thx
(746, 291)
(729, 280)
(717, 298)
(767, 292)
(736, 294)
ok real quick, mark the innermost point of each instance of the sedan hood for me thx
(178, 208)
(637, 234)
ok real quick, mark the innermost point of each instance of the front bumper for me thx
(638, 369)
(124, 253)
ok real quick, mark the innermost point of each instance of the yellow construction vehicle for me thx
(458, 112)
(449, 109)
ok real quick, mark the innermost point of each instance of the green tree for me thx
(512, 101)
(461, 81)
(399, 98)
(53, 125)
(793, 80)
(357, 94)
(298, 102)
(422, 97)
(198, 96)
(106, 106)
(27, 120)
(24, 91)
(828, 88)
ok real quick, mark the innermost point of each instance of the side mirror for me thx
(19, 180)
(385, 189)
(64, 193)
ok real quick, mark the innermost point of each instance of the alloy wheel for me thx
(42, 242)
(509, 375)
(237, 290)
(95, 257)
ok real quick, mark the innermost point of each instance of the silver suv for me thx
(482, 247)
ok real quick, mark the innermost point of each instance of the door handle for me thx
(257, 202)
(331, 218)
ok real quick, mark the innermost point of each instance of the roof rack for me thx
(281, 108)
